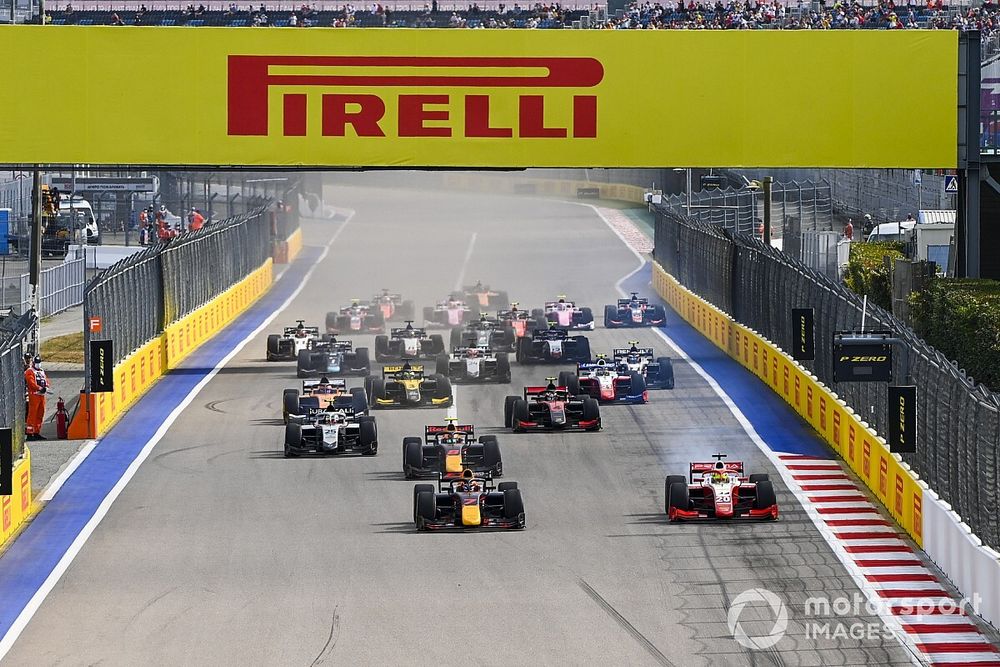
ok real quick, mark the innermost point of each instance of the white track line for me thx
(53, 486)
(57, 572)
(465, 262)
(835, 544)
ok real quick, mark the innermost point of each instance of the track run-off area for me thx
(220, 551)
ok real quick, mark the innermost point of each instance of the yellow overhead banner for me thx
(320, 97)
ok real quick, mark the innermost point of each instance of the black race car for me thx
(658, 372)
(328, 356)
(634, 312)
(552, 345)
(486, 332)
(321, 394)
(474, 364)
(471, 501)
(331, 430)
(551, 408)
(408, 342)
(406, 387)
(449, 450)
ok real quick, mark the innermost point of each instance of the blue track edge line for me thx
(781, 428)
(32, 557)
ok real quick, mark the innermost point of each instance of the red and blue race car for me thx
(634, 312)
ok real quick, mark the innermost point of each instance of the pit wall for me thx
(135, 374)
(17, 508)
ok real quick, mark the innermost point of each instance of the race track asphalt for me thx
(222, 552)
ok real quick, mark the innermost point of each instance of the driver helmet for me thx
(472, 352)
(719, 477)
(469, 481)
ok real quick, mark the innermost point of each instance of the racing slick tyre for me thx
(503, 486)
(377, 391)
(362, 361)
(582, 353)
(592, 411)
(670, 481)
(678, 496)
(587, 317)
(290, 403)
(441, 364)
(425, 508)
(537, 314)
(455, 338)
(369, 436)
(513, 506)
(437, 344)
(519, 413)
(272, 346)
(507, 339)
(376, 321)
(759, 477)
(637, 383)
(765, 496)
(413, 457)
(491, 454)
(293, 440)
(359, 400)
(657, 314)
(503, 367)
(381, 348)
(303, 364)
(666, 372)
(523, 353)
(508, 410)
(571, 381)
(417, 490)
(406, 311)
(610, 313)
(501, 301)
(540, 323)
(331, 320)
(428, 315)
(443, 389)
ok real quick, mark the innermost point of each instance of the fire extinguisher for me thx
(62, 420)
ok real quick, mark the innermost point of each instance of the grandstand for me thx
(777, 14)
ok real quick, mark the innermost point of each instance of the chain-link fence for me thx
(199, 265)
(14, 333)
(958, 423)
(139, 296)
(805, 206)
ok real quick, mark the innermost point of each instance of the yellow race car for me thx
(406, 386)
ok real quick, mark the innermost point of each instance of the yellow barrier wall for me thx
(16, 508)
(294, 244)
(135, 374)
(853, 439)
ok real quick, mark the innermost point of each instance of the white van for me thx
(79, 216)
(891, 231)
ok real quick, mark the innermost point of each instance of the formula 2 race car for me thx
(718, 490)
(566, 315)
(552, 346)
(551, 408)
(468, 502)
(474, 364)
(449, 450)
(480, 297)
(485, 332)
(321, 394)
(634, 312)
(329, 356)
(355, 318)
(392, 306)
(331, 431)
(286, 345)
(658, 372)
(604, 381)
(407, 342)
(452, 312)
(521, 321)
(406, 387)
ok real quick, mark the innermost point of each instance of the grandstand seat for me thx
(238, 23)
(168, 22)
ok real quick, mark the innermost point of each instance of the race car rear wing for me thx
(310, 407)
(513, 315)
(535, 391)
(582, 367)
(392, 370)
(700, 468)
(336, 383)
(625, 303)
(309, 331)
(484, 478)
(484, 352)
(620, 352)
(403, 332)
(553, 304)
(433, 434)
(395, 298)
(335, 345)
(549, 334)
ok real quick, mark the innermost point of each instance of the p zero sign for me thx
(465, 98)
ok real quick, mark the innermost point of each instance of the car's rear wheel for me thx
(666, 372)
(765, 496)
(369, 436)
(381, 347)
(637, 383)
(670, 481)
(441, 364)
(507, 338)
(501, 301)
(359, 400)
(610, 313)
(678, 497)
(443, 388)
(293, 439)
(303, 363)
(513, 506)
(523, 350)
(503, 367)
(417, 490)
(538, 313)
(586, 316)
(508, 410)
(759, 477)
(491, 454)
(413, 457)
(425, 508)
(437, 343)
(428, 315)
(592, 412)
(272, 346)
(582, 351)
(455, 338)
(331, 320)
(657, 314)
(377, 391)
(290, 402)
(519, 413)
(362, 361)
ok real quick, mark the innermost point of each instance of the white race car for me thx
(657, 371)
(333, 430)
(475, 364)
(286, 345)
